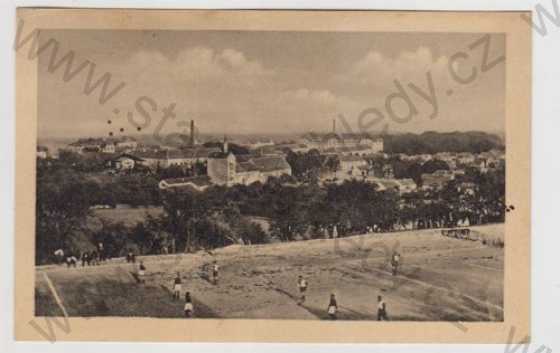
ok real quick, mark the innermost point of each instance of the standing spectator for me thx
(94, 258)
(85, 258)
(333, 307)
(177, 287)
(381, 309)
(101, 250)
(59, 256)
(71, 260)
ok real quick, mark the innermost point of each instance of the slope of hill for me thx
(441, 279)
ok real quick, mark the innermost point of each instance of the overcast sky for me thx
(270, 82)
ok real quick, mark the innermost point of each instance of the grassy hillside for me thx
(441, 279)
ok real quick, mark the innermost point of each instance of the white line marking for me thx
(55, 294)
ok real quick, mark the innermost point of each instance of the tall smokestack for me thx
(334, 126)
(225, 148)
(192, 132)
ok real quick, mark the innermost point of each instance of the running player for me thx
(215, 269)
(141, 272)
(381, 309)
(188, 305)
(395, 262)
(302, 286)
(333, 307)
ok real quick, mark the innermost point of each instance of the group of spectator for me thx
(87, 258)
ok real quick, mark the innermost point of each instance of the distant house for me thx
(352, 164)
(467, 188)
(86, 145)
(260, 143)
(189, 156)
(358, 150)
(224, 168)
(424, 157)
(125, 143)
(407, 185)
(42, 152)
(465, 158)
(332, 140)
(125, 162)
(294, 147)
(108, 147)
(437, 180)
(401, 186)
(387, 171)
(385, 184)
(181, 157)
(197, 183)
(267, 151)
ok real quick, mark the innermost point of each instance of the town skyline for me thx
(218, 136)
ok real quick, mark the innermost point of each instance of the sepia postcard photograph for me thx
(272, 176)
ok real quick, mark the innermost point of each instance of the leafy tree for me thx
(62, 205)
(434, 165)
(115, 238)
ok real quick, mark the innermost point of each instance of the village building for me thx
(111, 145)
(125, 162)
(332, 141)
(182, 158)
(260, 143)
(387, 171)
(359, 150)
(267, 151)
(465, 158)
(436, 180)
(348, 143)
(407, 185)
(224, 168)
(108, 147)
(352, 165)
(125, 143)
(402, 186)
(86, 145)
(467, 188)
(294, 147)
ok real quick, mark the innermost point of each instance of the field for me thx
(441, 279)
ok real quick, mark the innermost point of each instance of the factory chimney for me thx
(192, 133)
(225, 145)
